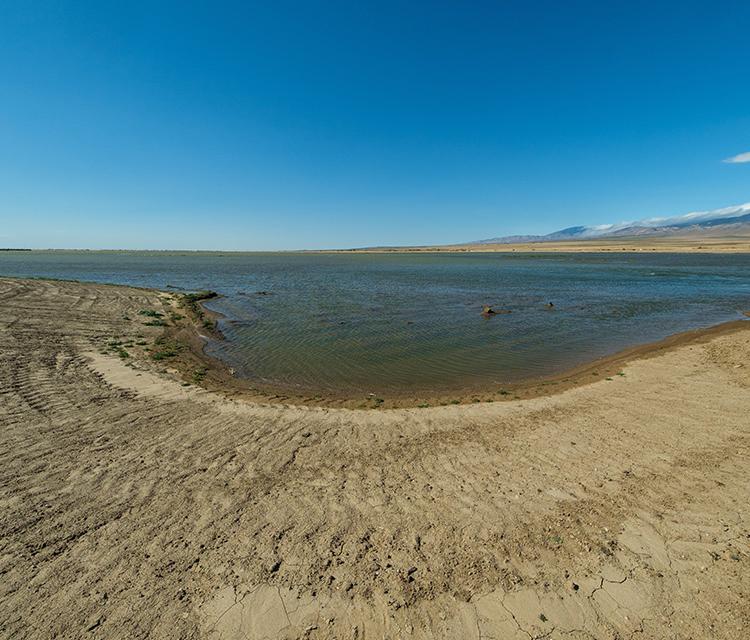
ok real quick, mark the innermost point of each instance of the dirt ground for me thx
(133, 506)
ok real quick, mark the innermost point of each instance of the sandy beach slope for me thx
(132, 506)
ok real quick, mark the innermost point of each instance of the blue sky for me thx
(224, 125)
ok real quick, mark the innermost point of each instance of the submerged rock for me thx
(487, 311)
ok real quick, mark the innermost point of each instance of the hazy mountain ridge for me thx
(735, 219)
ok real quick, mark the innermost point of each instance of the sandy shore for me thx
(136, 507)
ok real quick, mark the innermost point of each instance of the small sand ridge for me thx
(136, 507)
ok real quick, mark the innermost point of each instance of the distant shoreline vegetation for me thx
(12, 249)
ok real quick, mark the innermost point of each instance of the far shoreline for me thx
(681, 245)
(723, 245)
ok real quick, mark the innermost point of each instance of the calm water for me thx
(402, 323)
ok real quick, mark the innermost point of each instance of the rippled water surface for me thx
(406, 322)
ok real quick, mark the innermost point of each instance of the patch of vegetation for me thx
(190, 301)
(155, 323)
(192, 298)
(165, 349)
(503, 392)
(152, 313)
(175, 317)
(164, 354)
(455, 402)
(424, 405)
(116, 347)
(199, 374)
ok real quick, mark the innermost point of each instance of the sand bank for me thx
(135, 506)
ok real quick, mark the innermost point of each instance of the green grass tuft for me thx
(191, 298)
(164, 354)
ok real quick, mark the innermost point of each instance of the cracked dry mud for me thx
(136, 507)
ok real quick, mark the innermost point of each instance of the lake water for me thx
(403, 323)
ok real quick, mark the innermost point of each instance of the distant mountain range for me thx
(729, 220)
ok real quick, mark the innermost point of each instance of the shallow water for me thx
(404, 323)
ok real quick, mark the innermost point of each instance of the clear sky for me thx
(243, 125)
